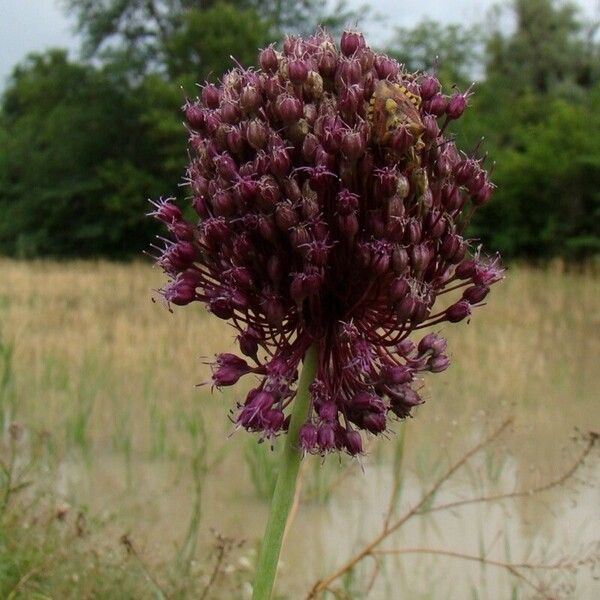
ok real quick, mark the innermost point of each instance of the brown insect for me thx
(393, 106)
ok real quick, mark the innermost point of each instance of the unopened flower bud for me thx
(458, 311)
(456, 106)
(351, 42)
(430, 86)
(268, 60)
(289, 108)
(297, 71)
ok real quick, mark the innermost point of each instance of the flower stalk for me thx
(285, 487)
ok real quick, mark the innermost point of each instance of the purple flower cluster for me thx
(331, 207)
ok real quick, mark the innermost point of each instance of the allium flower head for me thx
(330, 209)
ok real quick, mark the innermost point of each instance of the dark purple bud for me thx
(402, 140)
(280, 161)
(221, 307)
(458, 311)
(179, 256)
(228, 369)
(248, 342)
(285, 216)
(267, 228)
(420, 255)
(166, 211)
(211, 96)
(273, 420)
(405, 308)
(230, 112)
(412, 232)
(351, 42)
(430, 86)
(353, 145)
(326, 437)
(404, 402)
(475, 293)
(374, 422)
(223, 204)
(349, 72)
(451, 244)
(353, 442)
(397, 375)
(226, 167)
(180, 293)
(399, 260)
(437, 105)
(483, 195)
(308, 437)
(387, 68)
(195, 116)
(432, 130)
(268, 60)
(386, 182)
(289, 108)
(432, 343)
(268, 193)
(399, 288)
(466, 269)
(465, 171)
(456, 106)
(297, 71)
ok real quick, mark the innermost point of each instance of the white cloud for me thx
(28, 26)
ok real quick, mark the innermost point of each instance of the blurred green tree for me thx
(74, 173)
(453, 51)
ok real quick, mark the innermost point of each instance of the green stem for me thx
(285, 488)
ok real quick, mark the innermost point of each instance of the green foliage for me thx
(453, 51)
(73, 179)
(208, 39)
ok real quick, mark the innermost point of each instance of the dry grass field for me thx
(121, 478)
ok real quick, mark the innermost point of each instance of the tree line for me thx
(85, 142)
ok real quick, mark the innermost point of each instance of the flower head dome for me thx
(331, 208)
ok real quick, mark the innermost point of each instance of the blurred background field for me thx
(118, 441)
(120, 478)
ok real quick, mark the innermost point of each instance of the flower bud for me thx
(387, 68)
(456, 106)
(353, 442)
(250, 99)
(458, 311)
(430, 86)
(228, 369)
(289, 108)
(351, 42)
(211, 96)
(432, 343)
(437, 105)
(326, 437)
(437, 364)
(268, 60)
(476, 293)
(308, 437)
(297, 71)
(399, 260)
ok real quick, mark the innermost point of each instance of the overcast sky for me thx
(33, 25)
